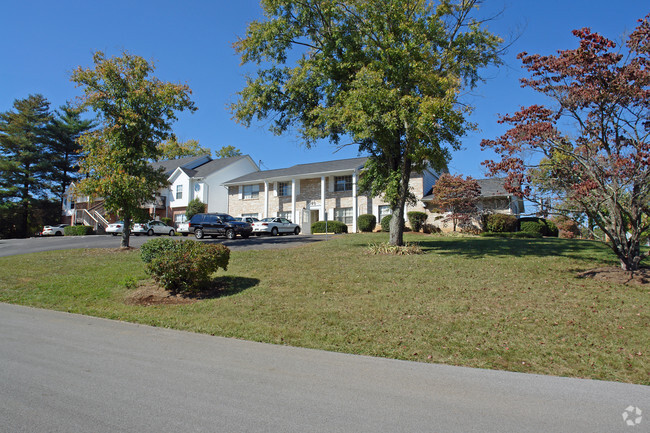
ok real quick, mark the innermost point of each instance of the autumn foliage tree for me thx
(135, 113)
(602, 162)
(456, 196)
(383, 75)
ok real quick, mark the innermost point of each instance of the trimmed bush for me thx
(366, 222)
(187, 267)
(157, 248)
(166, 221)
(78, 230)
(500, 223)
(416, 220)
(193, 207)
(336, 227)
(537, 225)
(385, 223)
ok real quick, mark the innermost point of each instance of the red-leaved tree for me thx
(457, 196)
(601, 162)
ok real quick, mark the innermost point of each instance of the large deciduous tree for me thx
(25, 165)
(457, 196)
(593, 143)
(135, 112)
(174, 149)
(228, 152)
(385, 74)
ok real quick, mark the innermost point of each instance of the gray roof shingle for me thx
(169, 165)
(301, 170)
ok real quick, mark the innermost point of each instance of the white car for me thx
(115, 228)
(153, 228)
(183, 228)
(57, 230)
(275, 226)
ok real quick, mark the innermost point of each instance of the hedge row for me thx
(332, 227)
(78, 230)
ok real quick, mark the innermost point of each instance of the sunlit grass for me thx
(511, 304)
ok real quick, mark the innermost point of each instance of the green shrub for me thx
(332, 227)
(534, 227)
(187, 267)
(416, 220)
(78, 230)
(193, 207)
(366, 222)
(510, 235)
(157, 247)
(500, 223)
(385, 223)
(167, 221)
(430, 228)
(538, 225)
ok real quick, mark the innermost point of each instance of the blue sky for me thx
(191, 42)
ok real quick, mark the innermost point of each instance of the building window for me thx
(384, 211)
(179, 192)
(251, 192)
(284, 188)
(179, 218)
(342, 183)
(344, 215)
(286, 215)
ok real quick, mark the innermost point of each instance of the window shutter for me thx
(297, 187)
(275, 189)
(241, 192)
(331, 183)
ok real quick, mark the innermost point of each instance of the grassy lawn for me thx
(507, 304)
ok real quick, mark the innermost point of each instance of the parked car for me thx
(275, 226)
(57, 230)
(153, 228)
(249, 220)
(115, 228)
(183, 228)
(218, 224)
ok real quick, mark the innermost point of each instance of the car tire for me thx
(184, 234)
(150, 232)
(296, 231)
(245, 236)
(171, 233)
(136, 234)
(58, 234)
(230, 234)
(258, 234)
(198, 233)
(114, 234)
(274, 231)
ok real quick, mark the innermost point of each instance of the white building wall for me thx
(184, 180)
(216, 193)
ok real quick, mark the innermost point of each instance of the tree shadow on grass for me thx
(220, 287)
(476, 248)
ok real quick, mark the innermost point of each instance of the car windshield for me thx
(267, 219)
(227, 218)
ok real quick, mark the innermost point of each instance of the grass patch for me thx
(508, 304)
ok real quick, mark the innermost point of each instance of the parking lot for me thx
(9, 247)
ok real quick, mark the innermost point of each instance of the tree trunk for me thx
(126, 232)
(397, 219)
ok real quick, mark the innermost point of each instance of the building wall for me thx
(308, 197)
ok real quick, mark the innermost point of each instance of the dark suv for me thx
(218, 224)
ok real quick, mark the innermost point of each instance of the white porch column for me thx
(322, 198)
(293, 201)
(355, 202)
(266, 200)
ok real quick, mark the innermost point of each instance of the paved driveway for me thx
(68, 373)
(10, 247)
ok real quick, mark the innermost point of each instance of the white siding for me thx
(217, 196)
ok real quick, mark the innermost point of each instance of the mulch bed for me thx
(617, 275)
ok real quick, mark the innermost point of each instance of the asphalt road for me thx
(62, 373)
(9, 247)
